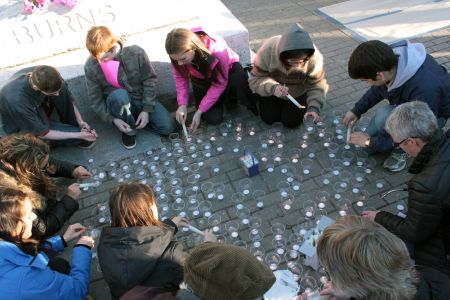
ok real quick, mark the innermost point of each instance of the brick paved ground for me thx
(264, 18)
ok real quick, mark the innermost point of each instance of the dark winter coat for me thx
(129, 257)
(427, 224)
(55, 212)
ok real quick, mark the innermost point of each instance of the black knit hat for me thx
(218, 271)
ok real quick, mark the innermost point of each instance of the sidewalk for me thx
(263, 19)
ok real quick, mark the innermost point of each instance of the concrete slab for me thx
(57, 34)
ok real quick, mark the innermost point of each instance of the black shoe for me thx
(128, 141)
(86, 145)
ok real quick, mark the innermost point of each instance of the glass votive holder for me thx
(205, 208)
(270, 166)
(159, 189)
(238, 198)
(278, 230)
(184, 162)
(272, 260)
(258, 252)
(401, 207)
(291, 257)
(345, 175)
(327, 139)
(208, 190)
(225, 129)
(214, 221)
(192, 179)
(236, 148)
(153, 167)
(296, 241)
(308, 121)
(322, 198)
(287, 202)
(177, 191)
(294, 155)
(381, 183)
(192, 206)
(309, 208)
(213, 133)
(341, 132)
(333, 149)
(251, 128)
(344, 206)
(219, 148)
(276, 129)
(295, 182)
(245, 186)
(296, 269)
(264, 140)
(361, 157)
(306, 164)
(311, 151)
(347, 158)
(178, 151)
(214, 165)
(243, 215)
(326, 176)
(258, 196)
(232, 228)
(284, 188)
(279, 246)
(308, 284)
(337, 116)
(178, 204)
(276, 155)
(219, 191)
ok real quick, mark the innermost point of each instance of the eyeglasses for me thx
(295, 61)
(402, 141)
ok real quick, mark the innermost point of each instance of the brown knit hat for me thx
(218, 271)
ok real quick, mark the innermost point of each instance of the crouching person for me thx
(25, 272)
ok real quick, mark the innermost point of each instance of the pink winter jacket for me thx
(224, 56)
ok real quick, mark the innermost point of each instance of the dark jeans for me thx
(119, 103)
(67, 120)
(273, 109)
(237, 86)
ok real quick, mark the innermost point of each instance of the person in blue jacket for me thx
(401, 72)
(24, 269)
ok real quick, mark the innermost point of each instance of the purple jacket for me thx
(224, 56)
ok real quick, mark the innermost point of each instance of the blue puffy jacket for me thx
(23, 276)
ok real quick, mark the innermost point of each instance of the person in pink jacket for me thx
(213, 69)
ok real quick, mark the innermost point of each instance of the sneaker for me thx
(128, 141)
(396, 161)
(86, 144)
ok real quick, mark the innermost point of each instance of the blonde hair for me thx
(130, 205)
(180, 40)
(100, 39)
(365, 261)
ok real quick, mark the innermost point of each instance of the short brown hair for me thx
(130, 205)
(100, 39)
(369, 58)
(365, 261)
(47, 79)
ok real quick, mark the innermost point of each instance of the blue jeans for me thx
(376, 124)
(54, 125)
(159, 120)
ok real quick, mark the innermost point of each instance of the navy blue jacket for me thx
(430, 84)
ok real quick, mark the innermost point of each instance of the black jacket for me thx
(55, 213)
(427, 224)
(129, 257)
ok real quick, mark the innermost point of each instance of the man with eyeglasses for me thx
(399, 73)
(29, 100)
(426, 227)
